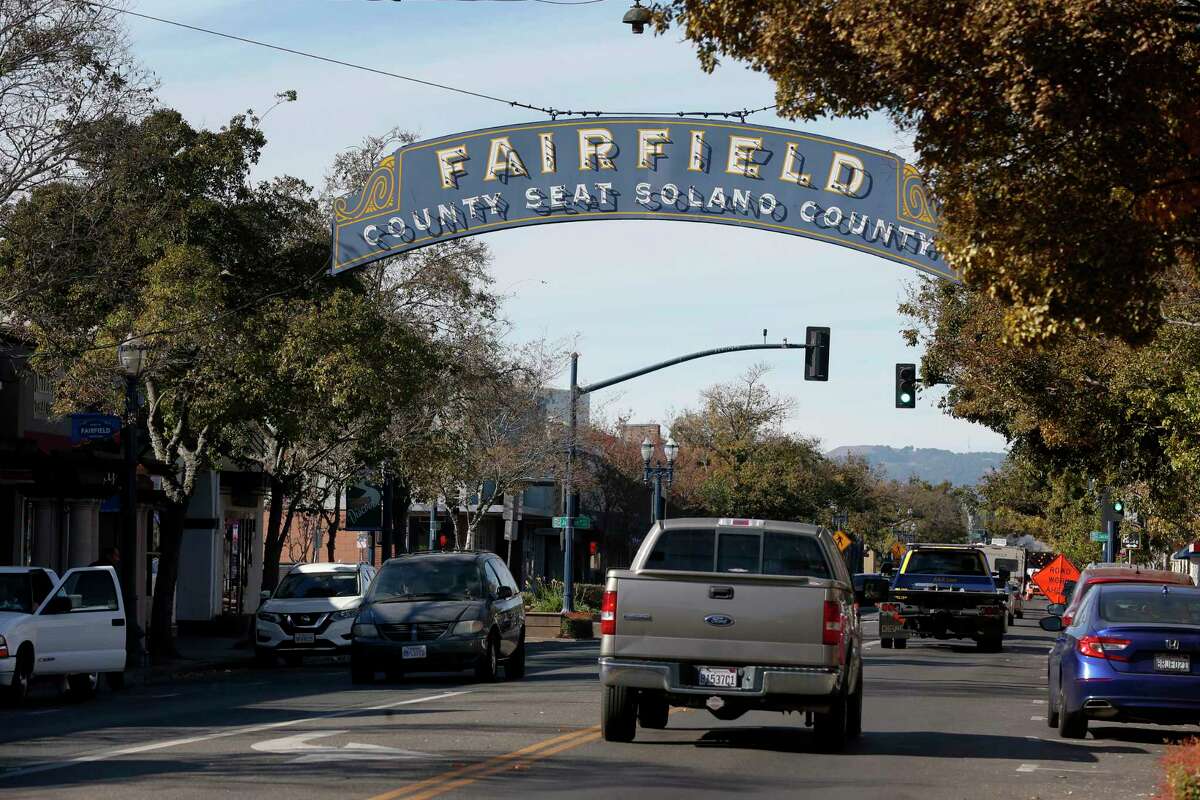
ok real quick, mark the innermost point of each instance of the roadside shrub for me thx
(1181, 768)
(542, 595)
(577, 625)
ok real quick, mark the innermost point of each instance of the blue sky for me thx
(624, 293)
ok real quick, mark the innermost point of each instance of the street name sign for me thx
(635, 167)
(581, 522)
(1099, 536)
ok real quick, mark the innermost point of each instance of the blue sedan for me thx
(1132, 654)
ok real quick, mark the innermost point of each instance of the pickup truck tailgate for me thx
(716, 619)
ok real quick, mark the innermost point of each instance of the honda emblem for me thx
(1172, 644)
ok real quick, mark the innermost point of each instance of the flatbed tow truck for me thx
(944, 592)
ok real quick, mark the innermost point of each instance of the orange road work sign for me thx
(1053, 577)
(897, 551)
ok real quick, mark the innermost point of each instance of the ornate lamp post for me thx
(657, 473)
(130, 357)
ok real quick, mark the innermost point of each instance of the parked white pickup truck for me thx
(732, 615)
(74, 627)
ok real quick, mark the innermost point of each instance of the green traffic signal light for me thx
(1118, 507)
(906, 386)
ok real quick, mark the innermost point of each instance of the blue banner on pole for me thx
(670, 168)
(94, 427)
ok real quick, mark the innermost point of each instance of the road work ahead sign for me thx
(1053, 577)
(666, 168)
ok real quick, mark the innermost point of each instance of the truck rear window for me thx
(945, 562)
(769, 553)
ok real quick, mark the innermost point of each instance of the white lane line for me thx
(869, 645)
(105, 755)
(1039, 702)
(1027, 768)
(1037, 719)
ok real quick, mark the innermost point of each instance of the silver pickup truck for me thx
(732, 615)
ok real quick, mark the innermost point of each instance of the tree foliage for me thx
(1062, 137)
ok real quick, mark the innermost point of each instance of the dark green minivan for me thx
(434, 612)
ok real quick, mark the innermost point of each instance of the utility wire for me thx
(553, 113)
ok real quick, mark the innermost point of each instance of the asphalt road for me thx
(941, 721)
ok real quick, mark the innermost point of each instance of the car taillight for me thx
(831, 632)
(3, 648)
(1104, 647)
(1066, 620)
(608, 614)
(990, 611)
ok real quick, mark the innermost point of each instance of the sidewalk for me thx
(197, 654)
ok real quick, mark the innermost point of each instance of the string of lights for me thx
(550, 111)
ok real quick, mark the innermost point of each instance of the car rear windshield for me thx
(769, 553)
(15, 593)
(428, 579)
(318, 584)
(1150, 607)
(945, 562)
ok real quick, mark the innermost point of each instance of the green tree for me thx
(187, 253)
(1062, 137)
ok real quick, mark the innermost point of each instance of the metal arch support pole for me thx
(569, 487)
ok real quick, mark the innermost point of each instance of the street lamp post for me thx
(130, 356)
(658, 473)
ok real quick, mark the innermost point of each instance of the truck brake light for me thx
(608, 614)
(831, 632)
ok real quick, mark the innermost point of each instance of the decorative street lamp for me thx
(638, 17)
(130, 357)
(657, 473)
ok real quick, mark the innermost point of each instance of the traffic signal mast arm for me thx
(716, 351)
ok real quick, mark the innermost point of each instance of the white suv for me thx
(311, 612)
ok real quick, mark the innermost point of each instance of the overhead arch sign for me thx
(648, 168)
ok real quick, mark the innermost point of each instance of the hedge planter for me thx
(543, 624)
(577, 625)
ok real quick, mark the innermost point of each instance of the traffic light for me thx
(816, 354)
(906, 386)
(1118, 508)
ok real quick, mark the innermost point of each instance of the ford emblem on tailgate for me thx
(720, 620)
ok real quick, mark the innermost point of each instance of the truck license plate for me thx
(1166, 662)
(416, 651)
(305, 638)
(721, 677)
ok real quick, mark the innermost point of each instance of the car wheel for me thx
(83, 686)
(264, 657)
(486, 666)
(618, 714)
(886, 644)
(901, 644)
(1012, 619)
(1020, 615)
(1071, 725)
(855, 709)
(18, 690)
(114, 680)
(832, 728)
(361, 671)
(514, 668)
(653, 710)
(1051, 711)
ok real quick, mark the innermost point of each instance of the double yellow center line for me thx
(517, 759)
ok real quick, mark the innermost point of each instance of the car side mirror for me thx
(1051, 624)
(264, 595)
(60, 604)
(1056, 609)
(504, 593)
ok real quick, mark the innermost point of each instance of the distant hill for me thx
(927, 463)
